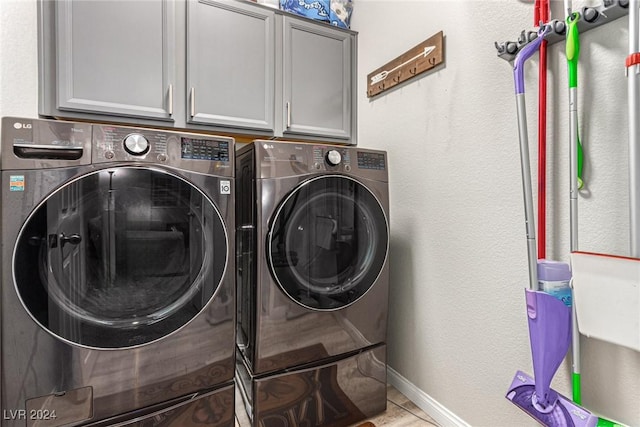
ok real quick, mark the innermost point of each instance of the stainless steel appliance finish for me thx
(117, 294)
(337, 393)
(312, 239)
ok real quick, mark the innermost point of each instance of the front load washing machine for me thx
(313, 281)
(118, 299)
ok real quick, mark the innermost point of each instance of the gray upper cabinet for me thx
(224, 66)
(318, 79)
(230, 64)
(116, 57)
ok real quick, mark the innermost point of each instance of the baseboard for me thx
(439, 413)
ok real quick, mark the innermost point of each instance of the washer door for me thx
(328, 242)
(120, 257)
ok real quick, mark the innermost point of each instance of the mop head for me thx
(564, 413)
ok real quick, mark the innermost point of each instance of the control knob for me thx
(136, 144)
(333, 157)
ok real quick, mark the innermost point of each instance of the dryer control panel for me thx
(328, 158)
(284, 158)
(371, 160)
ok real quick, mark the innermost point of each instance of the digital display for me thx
(205, 149)
(371, 160)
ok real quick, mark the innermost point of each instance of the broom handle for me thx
(573, 222)
(573, 166)
(573, 53)
(634, 131)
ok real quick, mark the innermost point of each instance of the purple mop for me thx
(549, 318)
(550, 336)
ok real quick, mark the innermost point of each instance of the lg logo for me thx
(19, 125)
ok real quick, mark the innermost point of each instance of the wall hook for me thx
(592, 17)
(559, 27)
(383, 74)
(590, 14)
(522, 38)
(410, 64)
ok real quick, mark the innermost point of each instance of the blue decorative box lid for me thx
(314, 9)
(341, 13)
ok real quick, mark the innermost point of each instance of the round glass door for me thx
(120, 257)
(328, 242)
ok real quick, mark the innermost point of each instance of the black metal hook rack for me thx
(591, 17)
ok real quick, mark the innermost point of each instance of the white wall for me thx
(458, 328)
(18, 58)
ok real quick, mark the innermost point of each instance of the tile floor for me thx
(401, 412)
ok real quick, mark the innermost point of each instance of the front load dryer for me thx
(118, 299)
(313, 282)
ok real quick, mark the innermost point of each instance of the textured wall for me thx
(458, 327)
(18, 58)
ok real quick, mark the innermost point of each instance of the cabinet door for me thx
(116, 57)
(317, 79)
(230, 64)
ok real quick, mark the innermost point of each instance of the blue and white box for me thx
(319, 10)
(340, 15)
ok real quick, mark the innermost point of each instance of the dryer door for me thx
(120, 257)
(328, 242)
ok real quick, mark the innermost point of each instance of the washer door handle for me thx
(74, 239)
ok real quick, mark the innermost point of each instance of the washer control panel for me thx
(204, 149)
(122, 143)
(195, 152)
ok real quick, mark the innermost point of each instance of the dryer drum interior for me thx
(328, 242)
(120, 257)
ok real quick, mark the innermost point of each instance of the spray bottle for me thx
(554, 278)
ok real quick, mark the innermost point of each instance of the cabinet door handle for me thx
(288, 106)
(170, 99)
(193, 101)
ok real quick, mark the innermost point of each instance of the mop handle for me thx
(529, 217)
(526, 53)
